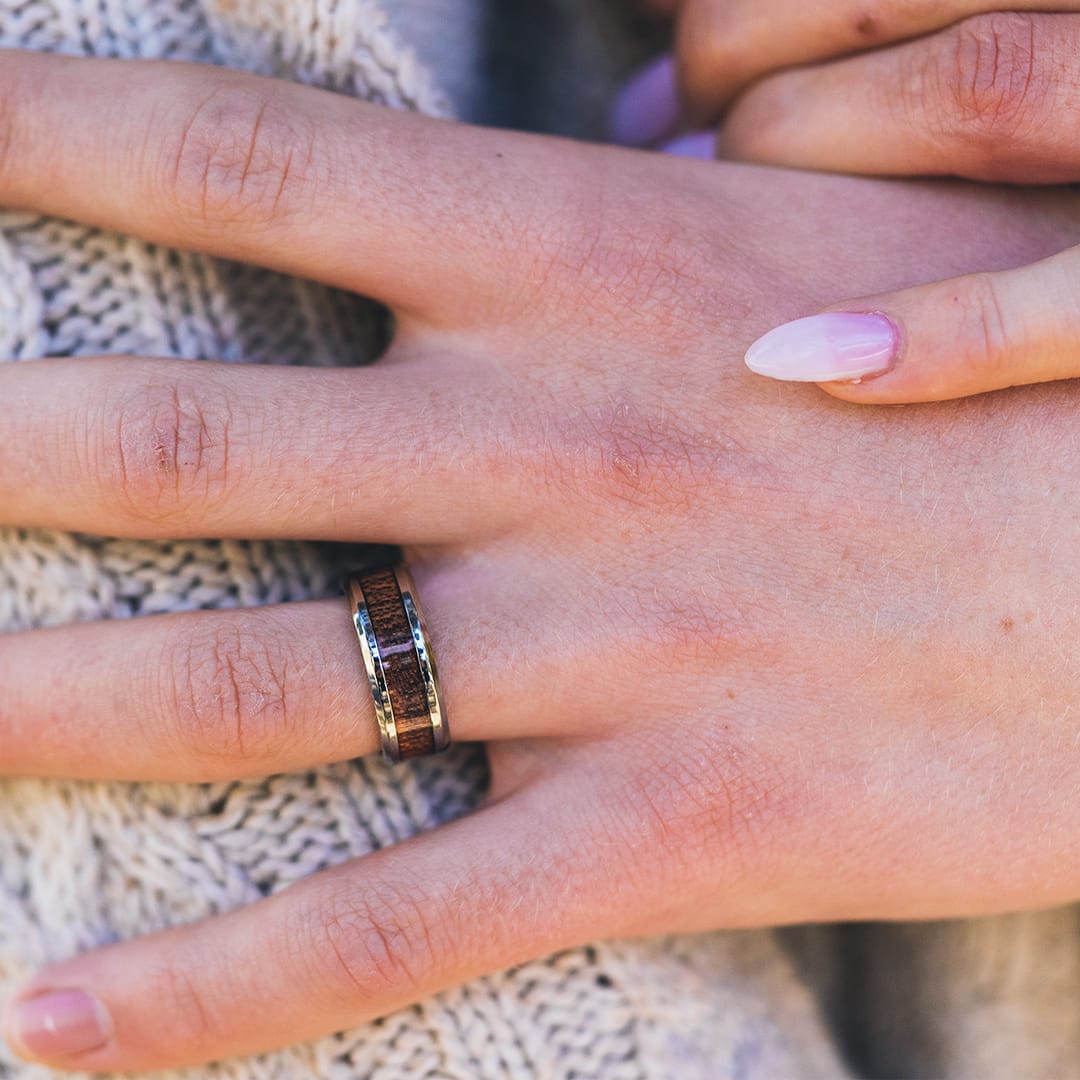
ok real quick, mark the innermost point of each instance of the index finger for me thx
(421, 214)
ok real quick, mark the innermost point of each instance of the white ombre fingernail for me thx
(826, 348)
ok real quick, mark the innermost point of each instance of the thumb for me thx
(935, 342)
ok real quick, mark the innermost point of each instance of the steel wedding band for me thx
(399, 662)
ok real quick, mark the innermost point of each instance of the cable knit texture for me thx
(83, 864)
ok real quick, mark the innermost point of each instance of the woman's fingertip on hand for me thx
(57, 1026)
(935, 342)
(827, 348)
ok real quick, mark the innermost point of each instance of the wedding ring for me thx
(399, 662)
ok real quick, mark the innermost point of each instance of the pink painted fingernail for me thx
(647, 109)
(700, 144)
(826, 348)
(58, 1025)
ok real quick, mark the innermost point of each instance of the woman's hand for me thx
(933, 342)
(742, 655)
(889, 88)
(893, 88)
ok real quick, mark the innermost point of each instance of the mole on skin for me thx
(867, 27)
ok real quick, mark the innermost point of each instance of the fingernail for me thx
(647, 109)
(58, 1025)
(826, 348)
(701, 144)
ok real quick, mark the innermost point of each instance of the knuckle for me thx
(590, 457)
(727, 805)
(593, 258)
(168, 455)
(700, 630)
(369, 944)
(237, 156)
(627, 455)
(560, 255)
(636, 454)
(988, 77)
(228, 691)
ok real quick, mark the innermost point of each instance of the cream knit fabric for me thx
(82, 864)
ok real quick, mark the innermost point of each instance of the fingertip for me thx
(978, 333)
(857, 357)
(871, 390)
(58, 1026)
(647, 108)
(832, 347)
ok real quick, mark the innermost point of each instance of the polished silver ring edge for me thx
(373, 665)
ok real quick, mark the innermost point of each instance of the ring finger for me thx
(194, 696)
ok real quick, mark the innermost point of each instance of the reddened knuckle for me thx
(700, 631)
(593, 258)
(564, 256)
(623, 454)
(238, 156)
(726, 805)
(228, 691)
(168, 454)
(992, 77)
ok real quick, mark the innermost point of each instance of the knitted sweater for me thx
(82, 864)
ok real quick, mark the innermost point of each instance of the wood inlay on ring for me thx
(401, 666)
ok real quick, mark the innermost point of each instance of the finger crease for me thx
(246, 171)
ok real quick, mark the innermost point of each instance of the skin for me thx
(742, 654)
(906, 76)
(905, 88)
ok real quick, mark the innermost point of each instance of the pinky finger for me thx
(947, 340)
(340, 947)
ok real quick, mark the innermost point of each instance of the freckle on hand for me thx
(867, 28)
